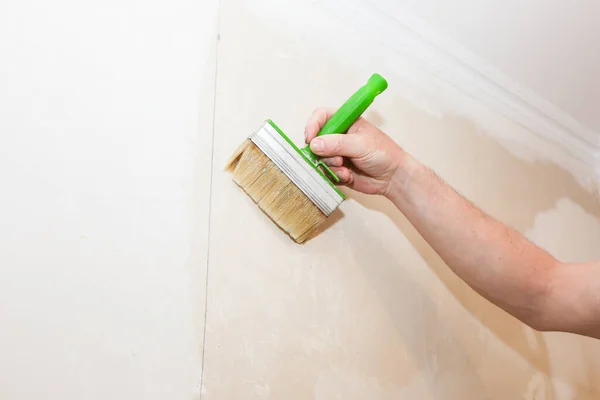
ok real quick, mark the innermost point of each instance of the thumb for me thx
(351, 146)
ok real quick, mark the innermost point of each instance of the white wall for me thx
(102, 107)
(550, 46)
(114, 210)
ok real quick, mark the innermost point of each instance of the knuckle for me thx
(323, 113)
(350, 179)
(319, 111)
(337, 144)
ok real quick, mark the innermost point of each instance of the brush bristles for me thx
(275, 193)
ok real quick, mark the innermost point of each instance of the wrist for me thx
(399, 183)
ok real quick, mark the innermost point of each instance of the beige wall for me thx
(367, 309)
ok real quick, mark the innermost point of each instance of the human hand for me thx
(371, 157)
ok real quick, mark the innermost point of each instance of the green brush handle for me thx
(351, 110)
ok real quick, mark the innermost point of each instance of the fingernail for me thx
(305, 136)
(317, 145)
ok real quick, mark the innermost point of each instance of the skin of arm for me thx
(494, 259)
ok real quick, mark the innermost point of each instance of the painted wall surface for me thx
(367, 309)
(105, 121)
(550, 46)
(117, 221)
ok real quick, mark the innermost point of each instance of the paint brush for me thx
(291, 185)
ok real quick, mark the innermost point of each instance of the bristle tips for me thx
(276, 195)
(233, 161)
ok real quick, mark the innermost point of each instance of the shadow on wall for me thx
(440, 358)
(509, 189)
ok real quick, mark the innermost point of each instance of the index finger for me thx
(316, 122)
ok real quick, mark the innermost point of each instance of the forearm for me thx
(498, 262)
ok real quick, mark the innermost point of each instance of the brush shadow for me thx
(502, 325)
(333, 219)
(441, 359)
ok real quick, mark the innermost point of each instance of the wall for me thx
(132, 267)
(104, 156)
(367, 309)
(548, 46)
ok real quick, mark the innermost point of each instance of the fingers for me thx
(356, 180)
(346, 176)
(316, 121)
(352, 146)
(337, 161)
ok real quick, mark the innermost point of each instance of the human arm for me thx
(495, 260)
